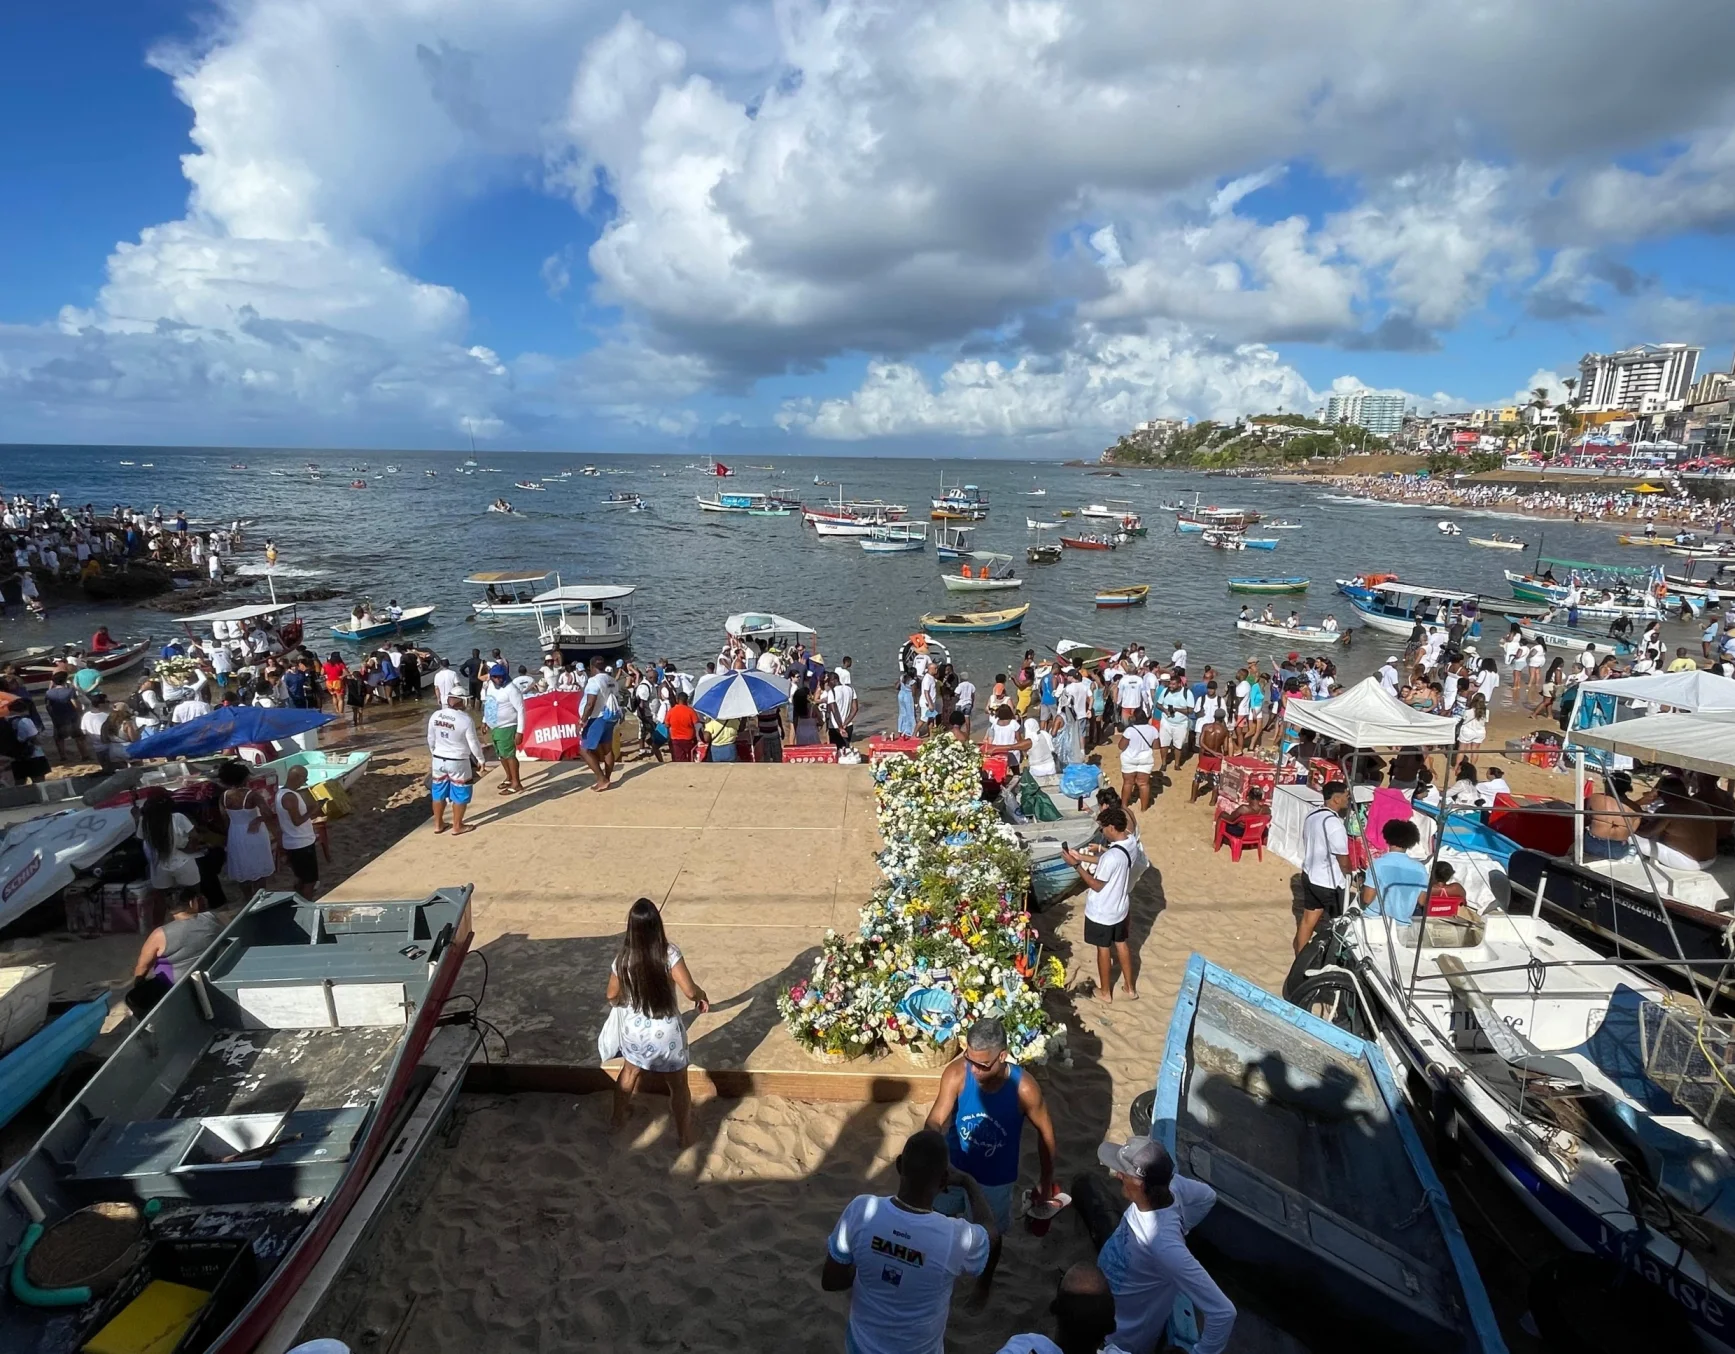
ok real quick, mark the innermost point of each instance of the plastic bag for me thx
(608, 1038)
(1080, 780)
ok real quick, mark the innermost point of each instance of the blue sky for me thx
(958, 227)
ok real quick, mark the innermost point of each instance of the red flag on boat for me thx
(719, 469)
(551, 730)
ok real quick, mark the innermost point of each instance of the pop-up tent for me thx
(1621, 700)
(1369, 718)
(1693, 742)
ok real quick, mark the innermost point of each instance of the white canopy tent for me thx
(1369, 717)
(1704, 741)
(1633, 698)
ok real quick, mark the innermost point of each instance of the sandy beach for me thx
(530, 1227)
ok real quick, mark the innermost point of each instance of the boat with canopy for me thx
(581, 619)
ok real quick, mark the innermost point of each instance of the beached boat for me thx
(1268, 585)
(31, 1066)
(345, 768)
(897, 538)
(372, 626)
(509, 592)
(36, 666)
(1574, 641)
(1130, 596)
(1089, 542)
(581, 619)
(995, 574)
(975, 622)
(1312, 634)
(232, 1133)
(1327, 1204)
(1496, 543)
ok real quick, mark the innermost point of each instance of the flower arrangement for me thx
(944, 940)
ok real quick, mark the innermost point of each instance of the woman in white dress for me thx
(643, 982)
(250, 855)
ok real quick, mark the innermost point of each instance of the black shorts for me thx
(1317, 899)
(1102, 934)
(304, 861)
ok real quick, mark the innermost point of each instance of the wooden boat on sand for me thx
(975, 622)
(1328, 1209)
(228, 1140)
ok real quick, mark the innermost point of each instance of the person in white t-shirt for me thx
(1130, 697)
(1178, 659)
(598, 714)
(1107, 906)
(898, 1258)
(964, 703)
(1324, 859)
(928, 691)
(1175, 705)
(1137, 743)
(1040, 760)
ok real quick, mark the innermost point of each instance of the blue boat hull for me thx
(27, 1070)
(1326, 1197)
(382, 630)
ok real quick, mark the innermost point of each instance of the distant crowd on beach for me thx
(1562, 502)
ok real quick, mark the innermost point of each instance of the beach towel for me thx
(1388, 806)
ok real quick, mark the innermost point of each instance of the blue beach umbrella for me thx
(741, 695)
(226, 727)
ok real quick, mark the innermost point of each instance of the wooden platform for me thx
(751, 865)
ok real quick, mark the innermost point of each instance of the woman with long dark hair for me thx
(166, 835)
(645, 981)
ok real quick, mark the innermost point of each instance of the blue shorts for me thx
(456, 791)
(954, 1203)
(598, 730)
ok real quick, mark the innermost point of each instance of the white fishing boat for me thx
(1496, 542)
(1282, 525)
(746, 504)
(1104, 511)
(1310, 634)
(1448, 528)
(1036, 493)
(897, 538)
(581, 619)
(628, 501)
(509, 592)
(529, 486)
(994, 574)
(1031, 524)
(500, 505)
(852, 526)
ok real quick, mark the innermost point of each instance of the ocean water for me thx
(414, 538)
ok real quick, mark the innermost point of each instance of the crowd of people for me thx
(1587, 504)
(43, 543)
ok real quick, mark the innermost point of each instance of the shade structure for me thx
(741, 695)
(226, 727)
(1690, 691)
(551, 728)
(1648, 489)
(1368, 716)
(39, 857)
(1698, 742)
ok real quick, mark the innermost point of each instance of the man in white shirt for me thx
(844, 676)
(1175, 703)
(1389, 675)
(964, 703)
(929, 705)
(598, 713)
(1178, 659)
(1130, 697)
(1146, 1260)
(1494, 785)
(898, 1258)
(455, 752)
(191, 708)
(1106, 906)
(503, 721)
(445, 683)
(1324, 859)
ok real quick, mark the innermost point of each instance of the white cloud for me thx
(1080, 183)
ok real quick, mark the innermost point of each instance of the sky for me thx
(870, 227)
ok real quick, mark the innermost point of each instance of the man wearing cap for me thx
(503, 722)
(981, 1107)
(1389, 675)
(453, 748)
(1146, 1260)
(898, 1257)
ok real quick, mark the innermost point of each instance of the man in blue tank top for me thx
(981, 1108)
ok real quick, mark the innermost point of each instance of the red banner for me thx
(551, 729)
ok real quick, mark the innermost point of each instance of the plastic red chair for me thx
(1253, 834)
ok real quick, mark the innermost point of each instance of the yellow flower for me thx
(972, 995)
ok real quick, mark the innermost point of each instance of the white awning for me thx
(1694, 742)
(1369, 716)
(1690, 691)
(240, 613)
(584, 592)
(760, 624)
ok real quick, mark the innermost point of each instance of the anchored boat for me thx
(1313, 634)
(994, 575)
(1115, 597)
(364, 624)
(1268, 585)
(975, 622)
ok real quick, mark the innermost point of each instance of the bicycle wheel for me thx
(1335, 999)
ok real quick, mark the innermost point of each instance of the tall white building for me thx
(1381, 414)
(1623, 380)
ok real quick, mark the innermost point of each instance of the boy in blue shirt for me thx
(1396, 883)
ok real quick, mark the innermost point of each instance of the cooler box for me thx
(811, 752)
(998, 767)
(1238, 775)
(892, 747)
(1321, 772)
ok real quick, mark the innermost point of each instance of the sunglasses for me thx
(988, 1066)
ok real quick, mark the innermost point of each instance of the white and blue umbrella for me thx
(741, 695)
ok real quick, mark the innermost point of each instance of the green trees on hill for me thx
(1264, 439)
